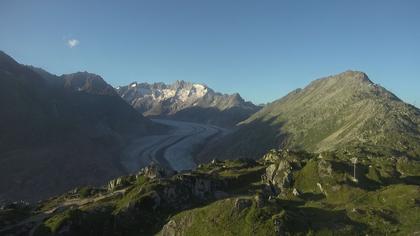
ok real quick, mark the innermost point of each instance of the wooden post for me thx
(354, 160)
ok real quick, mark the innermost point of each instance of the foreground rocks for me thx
(285, 193)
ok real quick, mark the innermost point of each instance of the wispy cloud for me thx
(73, 43)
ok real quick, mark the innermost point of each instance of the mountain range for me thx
(340, 156)
(187, 101)
(58, 132)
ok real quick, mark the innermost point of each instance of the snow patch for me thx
(200, 90)
(182, 93)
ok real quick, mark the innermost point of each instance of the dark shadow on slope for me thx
(213, 116)
(316, 219)
(247, 141)
(413, 180)
(54, 138)
(312, 196)
(361, 173)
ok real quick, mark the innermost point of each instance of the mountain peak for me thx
(187, 101)
(181, 83)
(347, 84)
(346, 78)
(354, 75)
(7, 62)
(88, 82)
(343, 110)
(4, 57)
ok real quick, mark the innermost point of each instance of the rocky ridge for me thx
(344, 111)
(187, 101)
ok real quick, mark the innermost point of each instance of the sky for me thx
(261, 49)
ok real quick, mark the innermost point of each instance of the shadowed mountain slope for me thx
(60, 132)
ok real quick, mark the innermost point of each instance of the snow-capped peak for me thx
(187, 101)
(179, 91)
(160, 98)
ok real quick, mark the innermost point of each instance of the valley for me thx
(208, 118)
(173, 150)
(340, 156)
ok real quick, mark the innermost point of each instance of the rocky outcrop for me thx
(324, 168)
(175, 227)
(171, 191)
(242, 203)
(155, 171)
(89, 83)
(200, 186)
(119, 183)
(278, 176)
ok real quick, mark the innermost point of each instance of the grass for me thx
(306, 180)
(55, 223)
(380, 203)
(222, 218)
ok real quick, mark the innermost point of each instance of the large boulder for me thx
(155, 171)
(324, 168)
(119, 183)
(242, 203)
(278, 176)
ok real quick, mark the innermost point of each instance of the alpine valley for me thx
(338, 157)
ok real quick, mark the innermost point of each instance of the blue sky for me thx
(261, 49)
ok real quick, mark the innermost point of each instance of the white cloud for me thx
(73, 43)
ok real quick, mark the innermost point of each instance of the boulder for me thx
(272, 156)
(324, 168)
(242, 203)
(155, 171)
(295, 192)
(176, 228)
(170, 229)
(118, 183)
(278, 176)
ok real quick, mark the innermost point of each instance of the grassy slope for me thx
(346, 110)
(385, 200)
(381, 205)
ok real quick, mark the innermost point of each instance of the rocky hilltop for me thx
(187, 101)
(346, 110)
(89, 83)
(284, 193)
